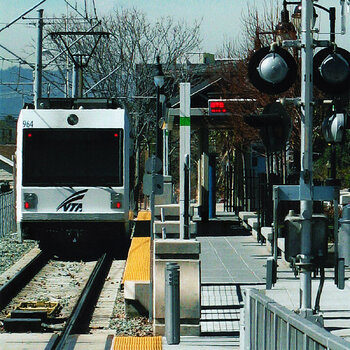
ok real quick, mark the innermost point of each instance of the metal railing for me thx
(269, 325)
(7, 213)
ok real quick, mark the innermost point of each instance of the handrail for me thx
(268, 324)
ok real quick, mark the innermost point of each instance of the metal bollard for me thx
(172, 303)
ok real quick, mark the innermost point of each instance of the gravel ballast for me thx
(124, 326)
(11, 251)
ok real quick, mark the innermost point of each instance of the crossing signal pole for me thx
(306, 155)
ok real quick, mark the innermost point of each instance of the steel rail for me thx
(11, 288)
(85, 305)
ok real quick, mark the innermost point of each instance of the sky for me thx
(221, 19)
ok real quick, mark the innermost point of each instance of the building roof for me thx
(6, 160)
(7, 153)
(200, 93)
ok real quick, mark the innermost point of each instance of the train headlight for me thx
(30, 201)
(116, 200)
(72, 119)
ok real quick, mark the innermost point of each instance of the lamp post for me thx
(159, 82)
(296, 18)
(285, 29)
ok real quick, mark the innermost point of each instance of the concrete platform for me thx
(233, 259)
(334, 303)
(202, 343)
(26, 341)
(240, 261)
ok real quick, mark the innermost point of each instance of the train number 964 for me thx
(28, 123)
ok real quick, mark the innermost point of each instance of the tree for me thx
(257, 32)
(122, 66)
(8, 130)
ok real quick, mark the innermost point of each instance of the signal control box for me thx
(319, 237)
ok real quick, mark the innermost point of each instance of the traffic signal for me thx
(217, 107)
(272, 71)
(332, 70)
(274, 126)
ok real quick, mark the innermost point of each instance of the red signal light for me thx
(216, 107)
(118, 205)
(26, 205)
(116, 134)
(30, 135)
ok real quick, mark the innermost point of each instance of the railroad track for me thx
(10, 289)
(80, 314)
(79, 319)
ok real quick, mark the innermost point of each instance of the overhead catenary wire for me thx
(69, 46)
(103, 79)
(20, 60)
(23, 14)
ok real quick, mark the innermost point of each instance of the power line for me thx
(23, 14)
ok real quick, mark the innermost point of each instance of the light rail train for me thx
(72, 177)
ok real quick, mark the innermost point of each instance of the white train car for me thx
(72, 177)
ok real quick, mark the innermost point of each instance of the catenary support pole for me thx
(306, 156)
(39, 59)
(75, 78)
(185, 142)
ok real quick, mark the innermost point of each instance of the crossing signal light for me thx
(334, 126)
(332, 70)
(217, 107)
(272, 71)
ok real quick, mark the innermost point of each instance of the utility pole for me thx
(306, 155)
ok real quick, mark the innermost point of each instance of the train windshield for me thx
(80, 157)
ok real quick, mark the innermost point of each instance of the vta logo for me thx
(70, 204)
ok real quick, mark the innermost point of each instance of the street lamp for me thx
(285, 29)
(159, 82)
(296, 17)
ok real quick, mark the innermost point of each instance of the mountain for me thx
(18, 91)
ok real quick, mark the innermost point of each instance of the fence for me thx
(7, 213)
(269, 325)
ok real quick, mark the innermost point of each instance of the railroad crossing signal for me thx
(272, 71)
(332, 70)
(334, 126)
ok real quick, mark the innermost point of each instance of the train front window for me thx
(80, 157)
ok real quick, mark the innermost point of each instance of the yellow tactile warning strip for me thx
(144, 215)
(138, 264)
(137, 343)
